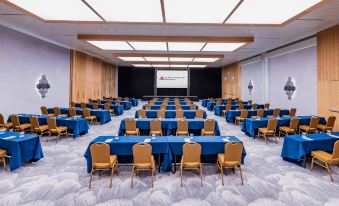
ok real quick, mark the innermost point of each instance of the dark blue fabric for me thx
(169, 126)
(169, 103)
(76, 126)
(295, 147)
(125, 104)
(102, 115)
(170, 107)
(190, 114)
(211, 105)
(218, 108)
(22, 148)
(231, 114)
(118, 109)
(251, 125)
(123, 146)
(210, 145)
(133, 101)
(223, 101)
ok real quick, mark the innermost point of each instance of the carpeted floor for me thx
(61, 178)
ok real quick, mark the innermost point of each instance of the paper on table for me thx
(10, 137)
(147, 140)
(306, 138)
(332, 135)
(108, 140)
(226, 139)
(187, 140)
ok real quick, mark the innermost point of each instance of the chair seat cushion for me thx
(207, 132)
(2, 153)
(24, 126)
(322, 127)
(63, 115)
(133, 132)
(150, 165)
(182, 132)
(221, 160)
(286, 129)
(41, 128)
(91, 118)
(59, 129)
(189, 164)
(322, 155)
(155, 132)
(266, 131)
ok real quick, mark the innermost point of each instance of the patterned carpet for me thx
(61, 178)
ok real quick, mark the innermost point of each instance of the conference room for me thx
(169, 102)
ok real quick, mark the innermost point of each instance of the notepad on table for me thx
(187, 139)
(332, 135)
(109, 140)
(305, 137)
(10, 137)
(147, 140)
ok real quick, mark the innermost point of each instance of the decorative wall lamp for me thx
(250, 87)
(43, 86)
(290, 88)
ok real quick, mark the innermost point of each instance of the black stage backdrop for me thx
(205, 83)
(172, 92)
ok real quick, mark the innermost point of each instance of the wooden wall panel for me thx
(230, 77)
(328, 72)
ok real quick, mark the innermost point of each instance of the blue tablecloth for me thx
(223, 101)
(251, 125)
(211, 105)
(190, 114)
(133, 101)
(169, 126)
(118, 109)
(22, 148)
(170, 103)
(76, 126)
(231, 114)
(295, 147)
(218, 108)
(170, 107)
(123, 146)
(102, 115)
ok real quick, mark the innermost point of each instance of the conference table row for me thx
(133, 102)
(166, 146)
(171, 107)
(189, 114)
(169, 102)
(250, 126)
(169, 126)
(218, 108)
(103, 116)
(118, 109)
(21, 148)
(76, 126)
(232, 114)
(205, 102)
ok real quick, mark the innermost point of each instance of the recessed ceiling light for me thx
(222, 46)
(185, 46)
(205, 59)
(198, 11)
(268, 11)
(111, 45)
(180, 59)
(157, 59)
(128, 10)
(178, 66)
(142, 65)
(62, 10)
(132, 58)
(197, 66)
(156, 46)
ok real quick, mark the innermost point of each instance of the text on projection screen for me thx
(172, 79)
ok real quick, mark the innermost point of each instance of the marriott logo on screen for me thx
(170, 78)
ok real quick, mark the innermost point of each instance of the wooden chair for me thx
(72, 104)
(87, 115)
(4, 124)
(328, 126)
(3, 154)
(250, 102)
(228, 107)
(102, 160)
(199, 114)
(54, 129)
(163, 106)
(73, 113)
(267, 106)
(191, 159)
(231, 158)
(242, 117)
(182, 129)
(255, 106)
(131, 128)
(161, 113)
(36, 127)
(292, 112)
(241, 106)
(143, 159)
(325, 159)
(179, 113)
(156, 129)
(193, 107)
(17, 126)
(260, 114)
(178, 107)
(148, 106)
(142, 113)
(276, 113)
(57, 112)
(83, 105)
(292, 129)
(95, 106)
(107, 107)
(310, 128)
(90, 101)
(98, 101)
(269, 130)
(44, 111)
(229, 101)
(209, 127)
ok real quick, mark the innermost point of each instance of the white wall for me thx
(251, 71)
(22, 61)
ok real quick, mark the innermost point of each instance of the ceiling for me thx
(266, 37)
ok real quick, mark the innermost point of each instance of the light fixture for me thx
(132, 59)
(161, 65)
(128, 10)
(268, 11)
(180, 59)
(58, 10)
(149, 46)
(157, 59)
(142, 65)
(197, 66)
(223, 47)
(198, 11)
(185, 46)
(205, 59)
(111, 45)
(178, 66)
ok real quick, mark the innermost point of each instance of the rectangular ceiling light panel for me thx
(197, 66)
(149, 46)
(157, 59)
(111, 45)
(205, 59)
(222, 47)
(142, 65)
(185, 46)
(178, 66)
(132, 59)
(180, 59)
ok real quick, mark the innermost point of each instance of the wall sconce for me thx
(250, 87)
(290, 88)
(43, 86)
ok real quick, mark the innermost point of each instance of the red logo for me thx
(161, 78)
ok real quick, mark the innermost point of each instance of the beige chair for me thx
(182, 129)
(161, 113)
(131, 128)
(156, 129)
(276, 113)
(179, 113)
(95, 106)
(270, 130)
(102, 160)
(292, 129)
(148, 106)
(163, 106)
(143, 159)
(310, 128)
(57, 112)
(142, 113)
(209, 127)
(53, 129)
(83, 105)
(241, 106)
(36, 127)
(193, 107)
(72, 104)
(255, 106)
(228, 107)
(293, 112)
(199, 114)
(250, 102)
(73, 113)
(231, 158)
(178, 107)
(328, 126)
(107, 107)
(87, 115)
(99, 101)
(191, 158)
(325, 159)
(90, 101)
(44, 111)
(242, 117)
(4, 124)
(17, 126)
(260, 114)
(3, 154)
(267, 106)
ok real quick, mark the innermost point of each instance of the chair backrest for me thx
(142, 153)
(72, 112)
(90, 101)
(131, 125)
(72, 104)
(99, 101)
(2, 120)
(199, 114)
(254, 106)
(155, 125)
(126, 99)
(142, 113)
(293, 112)
(107, 106)
(276, 112)
(83, 105)
(51, 122)
(250, 102)
(260, 113)
(86, 112)
(183, 125)
(228, 106)
(294, 123)
(57, 111)
(100, 153)
(193, 107)
(178, 107)
(44, 110)
(233, 151)
(229, 101)
(209, 125)
(267, 106)
(191, 152)
(33, 120)
(163, 106)
(240, 106)
(179, 113)
(161, 113)
(272, 124)
(244, 113)
(335, 153)
(218, 102)
(314, 123)
(211, 99)
(330, 122)
(147, 106)
(117, 102)
(95, 106)
(15, 120)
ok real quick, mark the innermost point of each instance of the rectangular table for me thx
(190, 114)
(168, 126)
(170, 107)
(21, 148)
(204, 102)
(76, 126)
(118, 109)
(102, 115)
(297, 147)
(251, 125)
(211, 105)
(232, 114)
(218, 108)
(133, 101)
(170, 103)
